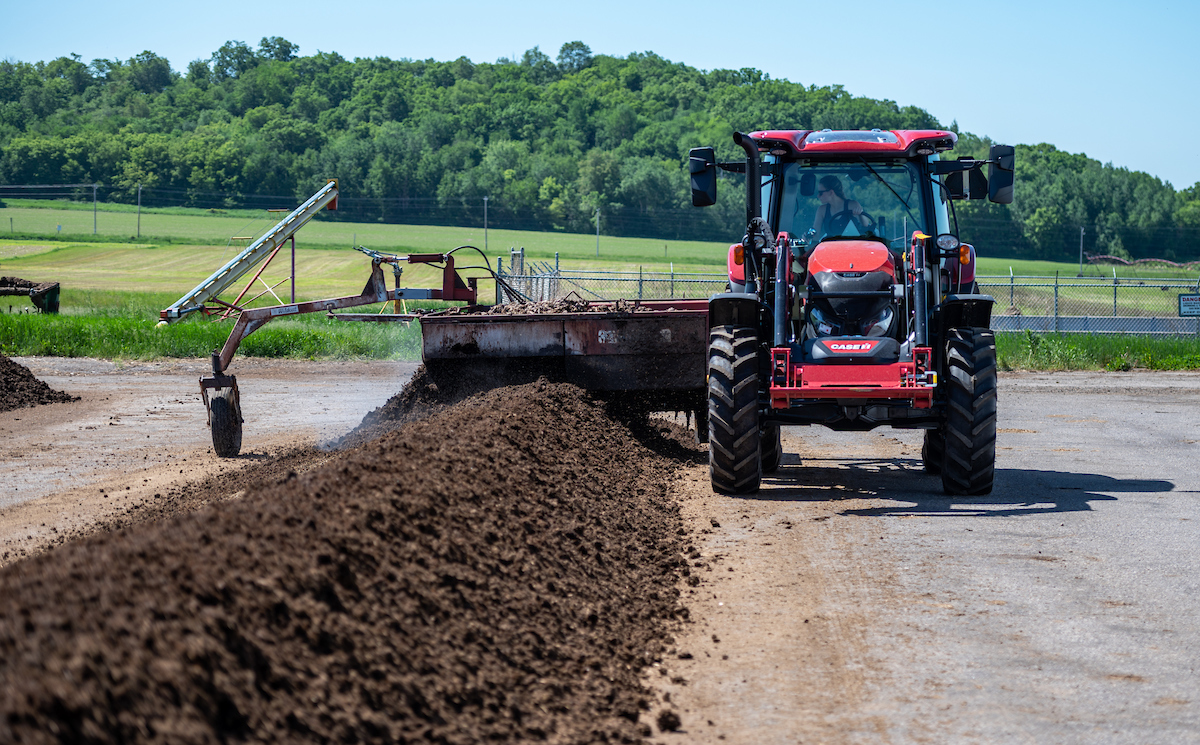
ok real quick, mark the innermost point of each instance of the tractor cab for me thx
(844, 206)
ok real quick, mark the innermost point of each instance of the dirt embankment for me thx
(500, 570)
(19, 388)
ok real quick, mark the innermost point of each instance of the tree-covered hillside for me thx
(548, 142)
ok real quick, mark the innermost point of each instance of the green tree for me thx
(277, 48)
(232, 59)
(573, 57)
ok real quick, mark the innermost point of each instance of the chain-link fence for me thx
(1044, 304)
(115, 210)
(540, 281)
(1091, 304)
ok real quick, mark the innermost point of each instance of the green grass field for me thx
(112, 291)
(189, 227)
(196, 227)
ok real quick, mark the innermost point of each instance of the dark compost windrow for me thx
(19, 388)
(500, 570)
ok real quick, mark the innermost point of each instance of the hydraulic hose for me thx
(782, 256)
(919, 289)
(753, 179)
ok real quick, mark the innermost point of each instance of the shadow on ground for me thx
(914, 492)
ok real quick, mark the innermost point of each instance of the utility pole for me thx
(485, 247)
(597, 232)
(94, 208)
(139, 234)
(1080, 250)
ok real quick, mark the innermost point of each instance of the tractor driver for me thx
(835, 211)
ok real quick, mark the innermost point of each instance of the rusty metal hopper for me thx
(658, 350)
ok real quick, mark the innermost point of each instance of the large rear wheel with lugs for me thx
(734, 454)
(969, 463)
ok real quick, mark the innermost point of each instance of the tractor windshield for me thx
(850, 199)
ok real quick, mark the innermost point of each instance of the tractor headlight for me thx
(880, 325)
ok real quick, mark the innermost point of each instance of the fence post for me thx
(139, 227)
(499, 274)
(672, 280)
(1011, 302)
(94, 208)
(639, 283)
(1056, 302)
(1115, 282)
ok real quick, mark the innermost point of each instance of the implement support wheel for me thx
(734, 455)
(226, 413)
(970, 433)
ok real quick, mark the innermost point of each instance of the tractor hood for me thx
(851, 266)
(851, 256)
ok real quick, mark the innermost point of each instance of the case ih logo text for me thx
(855, 346)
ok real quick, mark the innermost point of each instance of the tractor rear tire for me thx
(933, 451)
(772, 448)
(226, 423)
(734, 452)
(969, 466)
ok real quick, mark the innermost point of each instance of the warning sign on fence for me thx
(1189, 305)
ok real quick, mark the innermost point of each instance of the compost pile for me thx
(499, 570)
(542, 307)
(19, 388)
(564, 305)
(426, 393)
(13, 285)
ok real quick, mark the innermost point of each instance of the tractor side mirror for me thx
(977, 183)
(808, 185)
(954, 185)
(1001, 173)
(964, 178)
(702, 164)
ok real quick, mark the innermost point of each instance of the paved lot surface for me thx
(855, 603)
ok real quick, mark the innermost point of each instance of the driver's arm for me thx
(820, 217)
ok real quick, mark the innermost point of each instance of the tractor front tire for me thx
(933, 451)
(969, 466)
(226, 423)
(772, 448)
(734, 452)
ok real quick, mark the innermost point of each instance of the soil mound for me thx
(19, 388)
(426, 394)
(16, 283)
(570, 304)
(499, 571)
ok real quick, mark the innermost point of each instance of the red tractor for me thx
(852, 303)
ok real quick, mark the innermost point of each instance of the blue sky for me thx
(1114, 80)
